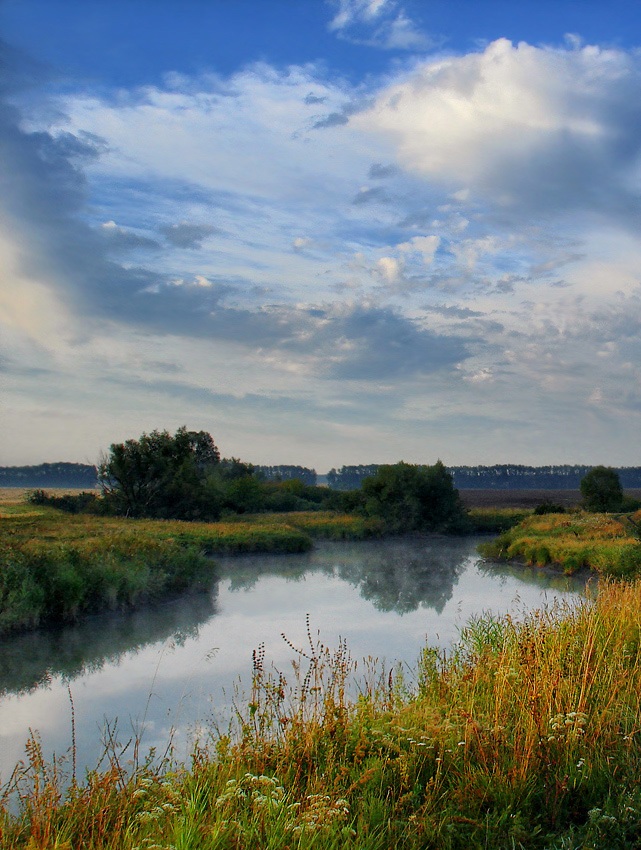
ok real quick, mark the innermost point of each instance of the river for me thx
(169, 672)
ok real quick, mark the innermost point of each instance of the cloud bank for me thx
(460, 248)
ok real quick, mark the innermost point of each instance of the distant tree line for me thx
(287, 473)
(497, 477)
(75, 475)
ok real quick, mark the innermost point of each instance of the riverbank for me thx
(525, 736)
(605, 543)
(55, 567)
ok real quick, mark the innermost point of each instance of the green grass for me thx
(526, 736)
(496, 520)
(320, 524)
(601, 542)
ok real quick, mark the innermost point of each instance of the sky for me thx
(326, 231)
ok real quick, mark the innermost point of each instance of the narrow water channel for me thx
(169, 672)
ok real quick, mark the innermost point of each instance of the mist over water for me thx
(170, 671)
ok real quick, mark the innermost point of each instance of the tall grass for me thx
(56, 566)
(601, 542)
(526, 736)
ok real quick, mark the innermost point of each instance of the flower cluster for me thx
(259, 796)
(569, 725)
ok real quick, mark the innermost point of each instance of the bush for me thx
(548, 508)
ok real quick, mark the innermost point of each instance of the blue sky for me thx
(327, 232)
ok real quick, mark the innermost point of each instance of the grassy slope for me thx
(528, 736)
(602, 542)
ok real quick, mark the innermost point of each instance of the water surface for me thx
(168, 671)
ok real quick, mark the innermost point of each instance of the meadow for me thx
(525, 735)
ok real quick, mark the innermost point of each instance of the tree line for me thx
(497, 477)
(183, 476)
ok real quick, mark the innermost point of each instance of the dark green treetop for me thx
(601, 489)
(410, 497)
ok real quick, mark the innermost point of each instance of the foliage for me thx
(595, 541)
(71, 503)
(601, 490)
(525, 736)
(548, 507)
(163, 476)
(408, 497)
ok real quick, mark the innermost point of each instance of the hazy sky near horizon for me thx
(326, 231)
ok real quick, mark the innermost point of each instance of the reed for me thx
(527, 735)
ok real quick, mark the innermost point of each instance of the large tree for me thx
(409, 497)
(160, 475)
(601, 489)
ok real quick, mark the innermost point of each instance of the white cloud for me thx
(352, 11)
(377, 23)
(424, 245)
(389, 269)
(538, 128)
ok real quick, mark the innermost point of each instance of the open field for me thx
(525, 498)
(526, 736)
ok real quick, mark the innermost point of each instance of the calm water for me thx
(174, 667)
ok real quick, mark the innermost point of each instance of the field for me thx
(519, 498)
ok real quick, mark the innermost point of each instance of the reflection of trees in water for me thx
(403, 575)
(244, 571)
(544, 577)
(394, 574)
(32, 659)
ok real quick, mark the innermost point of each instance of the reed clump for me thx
(601, 542)
(527, 735)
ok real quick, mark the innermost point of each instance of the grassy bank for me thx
(600, 542)
(527, 736)
(495, 520)
(56, 567)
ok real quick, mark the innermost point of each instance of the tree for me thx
(163, 476)
(409, 497)
(601, 489)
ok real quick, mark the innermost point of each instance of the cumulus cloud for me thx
(541, 129)
(426, 246)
